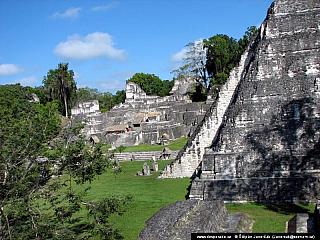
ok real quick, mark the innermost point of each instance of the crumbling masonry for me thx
(143, 118)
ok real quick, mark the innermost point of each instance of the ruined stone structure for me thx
(305, 222)
(143, 118)
(179, 220)
(90, 112)
(266, 145)
(86, 108)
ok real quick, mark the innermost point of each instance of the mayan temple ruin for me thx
(260, 139)
(257, 141)
(143, 118)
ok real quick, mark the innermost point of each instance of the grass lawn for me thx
(174, 145)
(270, 218)
(149, 194)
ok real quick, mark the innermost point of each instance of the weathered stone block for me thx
(179, 220)
(146, 169)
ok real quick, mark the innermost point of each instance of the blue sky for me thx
(106, 42)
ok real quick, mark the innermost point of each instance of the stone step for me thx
(210, 124)
(141, 156)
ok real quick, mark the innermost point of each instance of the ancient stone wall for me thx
(263, 189)
(269, 139)
(86, 108)
(144, 118)
(137, 98)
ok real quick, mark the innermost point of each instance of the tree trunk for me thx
(65, 105)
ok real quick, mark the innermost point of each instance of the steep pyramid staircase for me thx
(190, 157)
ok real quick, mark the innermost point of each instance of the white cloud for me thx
(77, 76)
(105, 7)
(177, 57)
(92, 46)
(9, 69)
(112, 86)
(27, 81)
(69, 13)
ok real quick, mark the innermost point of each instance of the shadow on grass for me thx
(188, 189)
(286, 209)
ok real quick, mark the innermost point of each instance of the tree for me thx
(222, 55)
(194, 62)
(81, 163)
(25, 127)
(106, 101)
(87, 94)
(151, 84)
(120, 97)
(61, 86)
(33, 206)
(247, 37)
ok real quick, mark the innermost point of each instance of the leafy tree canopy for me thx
(25, 128)
(212, 59)
(106, 100)
(60, 85)
(151, 84)
(32, 205)
(224, 53)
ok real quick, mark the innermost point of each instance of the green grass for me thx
(270, 218)
(105, 148)
(174, 145)
(149, 195)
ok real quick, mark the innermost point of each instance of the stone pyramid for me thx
(267, 146)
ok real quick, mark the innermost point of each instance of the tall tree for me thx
(222, 54)
(247, 37)
(61, 86)
(194, 62)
